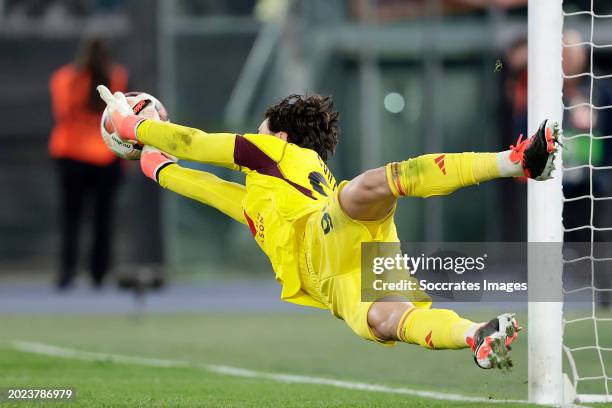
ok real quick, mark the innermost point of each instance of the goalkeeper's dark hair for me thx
(310, 121)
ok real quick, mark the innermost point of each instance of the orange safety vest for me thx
(76, 134)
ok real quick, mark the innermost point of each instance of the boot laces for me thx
(518, 151)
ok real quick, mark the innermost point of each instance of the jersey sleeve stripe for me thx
(247, 154)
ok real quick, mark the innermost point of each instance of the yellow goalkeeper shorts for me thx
(330, 262)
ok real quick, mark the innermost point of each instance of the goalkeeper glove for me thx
(122, 116)
(153, 160)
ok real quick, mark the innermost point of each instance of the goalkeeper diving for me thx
(312, 227)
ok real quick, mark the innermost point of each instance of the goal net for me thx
(587, 204)
(570, 341)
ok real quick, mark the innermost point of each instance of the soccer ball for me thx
(142, 104)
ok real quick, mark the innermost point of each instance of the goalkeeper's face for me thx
(264, 129)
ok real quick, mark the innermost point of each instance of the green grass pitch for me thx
(312, 344)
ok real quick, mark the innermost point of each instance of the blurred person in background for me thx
(582, 119)
(512, 122)
(515, 89)
(87, 169)
(576, 121)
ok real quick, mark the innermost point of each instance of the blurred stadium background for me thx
(408, 76)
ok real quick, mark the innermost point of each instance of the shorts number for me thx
(326, 223)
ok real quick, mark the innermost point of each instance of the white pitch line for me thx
(62, 352)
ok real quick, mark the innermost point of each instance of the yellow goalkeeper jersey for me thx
(284, 184)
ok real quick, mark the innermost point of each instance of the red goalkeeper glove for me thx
(122, 116)
(153, 160)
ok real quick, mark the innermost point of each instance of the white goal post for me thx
(546, 343)
(545, 206)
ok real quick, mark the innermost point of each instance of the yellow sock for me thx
(434, 328)
(440, 174)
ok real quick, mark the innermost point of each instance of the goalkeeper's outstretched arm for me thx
(189, 143)
(206, 188)
(238, 152)
(201, 186)
(179, 141)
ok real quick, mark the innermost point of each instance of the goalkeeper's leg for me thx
(371, 195)
(398, 319)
